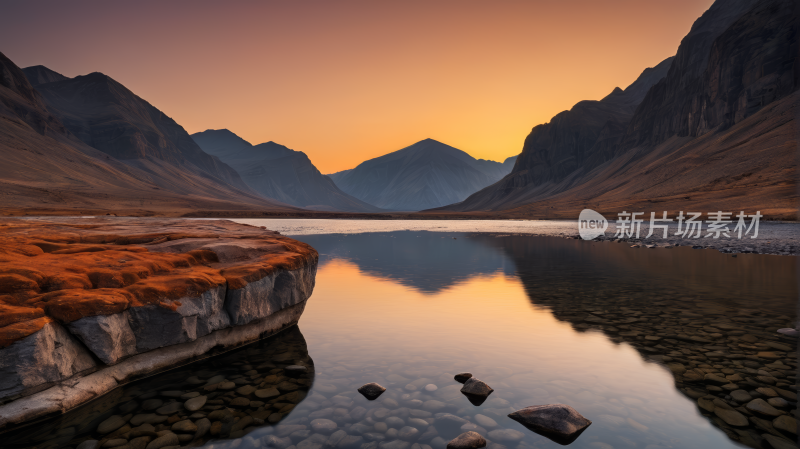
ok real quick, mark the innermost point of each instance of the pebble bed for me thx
(724, 354)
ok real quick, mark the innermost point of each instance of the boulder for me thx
(475, 387)
(462, 377)
(371, 390)
(558, 422)
(476, 390)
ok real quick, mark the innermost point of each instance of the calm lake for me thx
(626, 336)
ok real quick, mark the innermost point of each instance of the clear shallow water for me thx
(541, 320)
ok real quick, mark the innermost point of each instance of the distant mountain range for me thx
(424, 175)
(713, 128)
(275, 171)
(88, 144)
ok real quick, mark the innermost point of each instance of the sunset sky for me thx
(346, 81)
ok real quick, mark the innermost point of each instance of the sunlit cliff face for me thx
(349, 81)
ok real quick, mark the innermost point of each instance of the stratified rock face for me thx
(42, 358)
(561, 423)
(275, 171)
(735, 45)
(264, 297)
(425, 175)
(575, 140)
(156, 326)
(115, 289)
(717, 125)
(109, 337)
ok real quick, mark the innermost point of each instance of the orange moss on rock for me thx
(67, 269)
(17, 331)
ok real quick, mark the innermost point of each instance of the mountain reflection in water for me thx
(625, 336)
(694, 312)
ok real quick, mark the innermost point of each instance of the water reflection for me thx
(693, 312)
(710, 318)
(426, 261)
(656, 347)
(226, 396)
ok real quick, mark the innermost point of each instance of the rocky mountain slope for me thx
(47, 169)
(275, 171)
(422, 176)
(717, 132)
(40, 74)
(109, 117)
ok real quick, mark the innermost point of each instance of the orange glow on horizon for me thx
(350, 80)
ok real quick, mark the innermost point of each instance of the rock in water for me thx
(761, 407)
(467, 440)
(778, 443)
(196, 403)
(371, 390)
(295, 370)
(561, 423)
(462, 377)
(476, 391)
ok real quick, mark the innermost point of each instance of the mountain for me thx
(573, 142)
(424, 175)
(40, 74)
(717, 132)
(109, 117)
(48, 169)
(275, 171)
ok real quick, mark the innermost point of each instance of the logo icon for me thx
(591, 224)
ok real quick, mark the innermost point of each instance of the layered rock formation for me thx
(425, 175)
(126, 298)
(277, 172)
(716, 133)
(47, 169)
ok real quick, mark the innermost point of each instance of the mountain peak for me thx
(420, 176)
(39, 74)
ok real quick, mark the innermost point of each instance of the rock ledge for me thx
(87, 305)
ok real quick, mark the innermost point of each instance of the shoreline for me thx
(311, 214)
